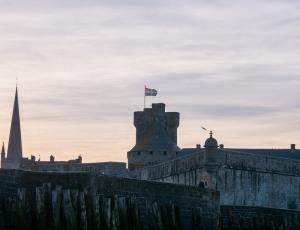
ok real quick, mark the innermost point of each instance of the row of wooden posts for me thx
(58, 208)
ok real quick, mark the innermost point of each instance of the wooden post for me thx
(40, 195)
(56, 200)
(68, 211)
(123, 214)
(82, 212)
(106, 209)
(95, 209)
(115, 214)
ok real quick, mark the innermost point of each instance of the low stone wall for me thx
(34, 200)
(255, 218)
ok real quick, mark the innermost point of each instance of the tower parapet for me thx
(156, 136)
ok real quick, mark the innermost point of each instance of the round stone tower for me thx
(156, 137)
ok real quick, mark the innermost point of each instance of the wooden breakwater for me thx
(49, 200)
(58, 208)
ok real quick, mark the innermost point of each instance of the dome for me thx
(211, 142)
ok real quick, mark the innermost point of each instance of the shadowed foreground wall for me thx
(36, 200)
(254, 218)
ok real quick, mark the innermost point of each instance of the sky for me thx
(230, 66)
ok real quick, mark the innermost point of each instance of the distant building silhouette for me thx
(15, 159)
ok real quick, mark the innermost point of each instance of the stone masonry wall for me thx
(241, 179)
(250, 187)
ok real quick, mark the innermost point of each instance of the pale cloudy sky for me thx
(232, 66)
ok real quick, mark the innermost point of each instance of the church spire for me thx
(3, 150)
(14, 151)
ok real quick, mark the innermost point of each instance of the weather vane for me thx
(210, 132)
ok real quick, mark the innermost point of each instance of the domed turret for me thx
(211, 142)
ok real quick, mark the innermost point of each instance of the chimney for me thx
(198, 146)
(221, 146)
(293, 146)
(80, 159)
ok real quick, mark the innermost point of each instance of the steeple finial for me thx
(211, 134)
(14, 151)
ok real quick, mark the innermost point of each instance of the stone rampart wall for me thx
(262, 163)
(173, 167)
(237, 160)
(241, 179)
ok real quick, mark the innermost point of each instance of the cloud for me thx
(83, 65)
(223, 111)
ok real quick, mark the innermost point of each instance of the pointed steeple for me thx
(3, 150)
(3, 156)
(14, 151)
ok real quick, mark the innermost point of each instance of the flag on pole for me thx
(150, 92)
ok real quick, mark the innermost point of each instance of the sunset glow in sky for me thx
(231, 66)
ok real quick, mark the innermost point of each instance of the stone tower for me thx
(156, 137)
(14, 151)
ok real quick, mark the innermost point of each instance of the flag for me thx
(150, 92)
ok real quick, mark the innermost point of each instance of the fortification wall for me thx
(261, 163)
(171, 168)
(250, 187)
(155, 202)
(231, 159)
(241, 179)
